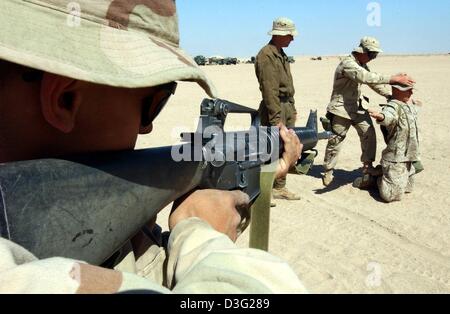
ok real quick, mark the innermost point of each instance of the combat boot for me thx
(365, 182)
(285, 194)
(327, 178)
(375, 172)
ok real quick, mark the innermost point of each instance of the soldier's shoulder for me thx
(264, 55)
(394, 104)
(266, 51)
(349, 62)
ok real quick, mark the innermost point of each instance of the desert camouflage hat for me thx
(283, 27)
(123, 43)
(368, 44)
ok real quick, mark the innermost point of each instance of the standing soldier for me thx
(345, 108)
(277, 87)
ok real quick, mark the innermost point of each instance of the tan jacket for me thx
(349, 77)
(201, 260)
(400, 120)
(275, 80)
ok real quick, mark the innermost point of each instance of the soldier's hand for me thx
(292, 150)
(376, 115)
(402, 79)
(218, 208)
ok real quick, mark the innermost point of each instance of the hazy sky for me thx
(239, 27)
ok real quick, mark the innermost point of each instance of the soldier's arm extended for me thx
(270, 86)
(382, 90)
(387, 117)
(357, 73)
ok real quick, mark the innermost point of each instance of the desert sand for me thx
(340, 239)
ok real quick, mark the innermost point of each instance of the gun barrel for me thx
(324, 135)
(309, 135)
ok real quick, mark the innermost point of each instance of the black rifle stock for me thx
(87, 207)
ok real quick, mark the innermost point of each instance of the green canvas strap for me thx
(260, 211)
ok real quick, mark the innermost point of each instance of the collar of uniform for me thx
(398, 102)
(356, 60)
(275, 51)
(365, 66)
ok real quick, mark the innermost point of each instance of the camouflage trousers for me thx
(340, 126)
(288, 118)
(397, 179)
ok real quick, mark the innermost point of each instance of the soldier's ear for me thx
(60, 101)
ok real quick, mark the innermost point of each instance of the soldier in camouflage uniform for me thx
(273, 71)
(399, 118)
(345, 110)
(89, 76)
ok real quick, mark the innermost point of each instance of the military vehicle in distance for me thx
(200, 60)
(231, 61)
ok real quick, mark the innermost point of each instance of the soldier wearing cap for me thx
(91, 81)
(399, 159)
(345, 109)
(277, 87)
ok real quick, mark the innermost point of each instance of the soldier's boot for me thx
(365, 182)
(410, 187)
(369, 169)
(327, 178)
(285, 194)
(375, 172)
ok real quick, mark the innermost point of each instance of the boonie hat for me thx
(368, 44)
(123, 43)
(283, 27)
(403, 88)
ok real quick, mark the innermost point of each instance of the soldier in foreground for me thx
(399, 119)
(277, 87)
(345, 110)
(55, 102)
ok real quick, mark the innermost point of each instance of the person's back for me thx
(400, 160)
(402, 132)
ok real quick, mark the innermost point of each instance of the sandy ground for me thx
(340, 239)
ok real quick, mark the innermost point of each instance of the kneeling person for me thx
(399, 120)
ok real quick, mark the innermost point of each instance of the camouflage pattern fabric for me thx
(340, 126)
(349, 77)
(402, 132)
(402, 150)
(125, 43)
(198, 256)
(397, 179)
(344, 105)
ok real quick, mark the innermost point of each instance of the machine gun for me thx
(87, 207)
